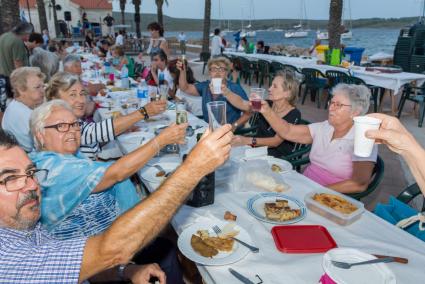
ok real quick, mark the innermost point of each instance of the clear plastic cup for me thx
(216, 114)
(256, 96)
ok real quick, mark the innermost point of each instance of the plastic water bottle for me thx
(125, 82)
(107, 67)
(143, 92)
(161, 78)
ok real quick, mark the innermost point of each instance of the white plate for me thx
(132, 141)
(222, 258)
(255, 206)
(149, 173)
(378, 273)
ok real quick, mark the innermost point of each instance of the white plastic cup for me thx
(216, 82)
(362, 145)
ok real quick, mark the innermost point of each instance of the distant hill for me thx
(177, 24)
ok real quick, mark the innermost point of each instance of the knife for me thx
(396, 259)
(240, 277)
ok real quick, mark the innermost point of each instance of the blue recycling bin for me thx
(355, 54)
(76, 32)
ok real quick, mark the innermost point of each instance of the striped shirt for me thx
(34, 257)
(94, 133)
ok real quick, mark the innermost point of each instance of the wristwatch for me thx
(143, 111)
(254, 142)
(120, 271)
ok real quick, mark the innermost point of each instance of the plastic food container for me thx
(331, 214)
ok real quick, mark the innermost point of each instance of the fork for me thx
(217, 230)
(345, 265)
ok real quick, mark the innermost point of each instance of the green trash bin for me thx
(333, 57)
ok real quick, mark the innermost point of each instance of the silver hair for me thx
(359, 96)
(70, 60)
(39, 116)
(47, 61)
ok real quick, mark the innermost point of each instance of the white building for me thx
(96, 10)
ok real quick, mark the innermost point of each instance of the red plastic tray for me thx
(302, 239)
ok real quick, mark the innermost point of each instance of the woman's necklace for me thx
(283, 109)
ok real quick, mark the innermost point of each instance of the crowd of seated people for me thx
(85, 217)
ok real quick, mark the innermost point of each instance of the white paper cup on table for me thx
(362, 145)
(216, 82)
(216, 114)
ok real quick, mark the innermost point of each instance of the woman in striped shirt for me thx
(68, 87)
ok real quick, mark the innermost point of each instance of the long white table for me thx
(369, 234)
(391, 81)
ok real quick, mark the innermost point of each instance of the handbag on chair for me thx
(403, 216)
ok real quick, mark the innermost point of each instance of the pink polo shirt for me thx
(332, 160)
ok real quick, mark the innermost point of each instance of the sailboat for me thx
(246, 31)
(276, 28)
(325, 35)
(348, 34)
(298, 31)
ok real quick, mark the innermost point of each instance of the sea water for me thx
(372, 39)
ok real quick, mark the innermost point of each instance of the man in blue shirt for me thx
(232, 93)
(30, 255)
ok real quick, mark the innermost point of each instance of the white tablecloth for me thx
(391, 81)
(369, 234)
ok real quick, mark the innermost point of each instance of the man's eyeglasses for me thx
(64, 127)
(18, 182)
(337, 105)
(218, 69)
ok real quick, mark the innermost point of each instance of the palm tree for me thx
(207, 22)
(159, 4)
(42, 15)
(55, 18)
(122, 8)
(136, 4)
(334, 24)
(9, 15)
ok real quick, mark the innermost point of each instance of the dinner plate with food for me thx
(276, 208)
(158, 174)
(202, 245)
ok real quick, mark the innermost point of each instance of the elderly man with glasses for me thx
(233, 93)
(28, 92)
(29, 255)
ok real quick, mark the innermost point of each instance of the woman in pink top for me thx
(333, 163)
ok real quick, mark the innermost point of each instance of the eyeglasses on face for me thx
(218, 69)
(18, 182)
(337, 105)
(64, 127)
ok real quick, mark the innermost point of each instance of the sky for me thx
(281, 9)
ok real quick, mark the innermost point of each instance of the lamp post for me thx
(55, 17)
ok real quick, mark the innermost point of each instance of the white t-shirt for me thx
(167, 77)
(119, 40)
(193, 103)
(216, 45)
(16, 120)
(182, 37)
